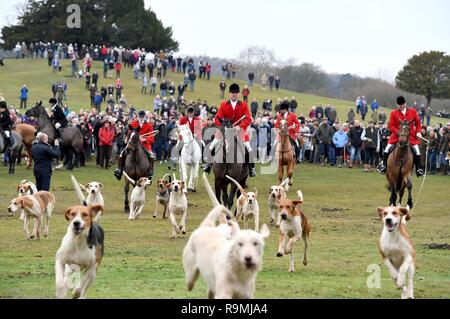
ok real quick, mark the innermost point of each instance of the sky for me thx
(364, 37)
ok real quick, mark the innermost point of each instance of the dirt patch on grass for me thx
(437, 246)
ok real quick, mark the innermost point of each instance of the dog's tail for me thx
(285, 185)
(300, 195)
(129, 178)
(236, 183)
(78, 190)
(218, 213)
(211, 194)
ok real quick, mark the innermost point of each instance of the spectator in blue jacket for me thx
(43, 154)
(340, 140)
(374, 106)
(23, 96)
(98, 99)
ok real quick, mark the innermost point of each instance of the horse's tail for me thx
(236, 183)
(78, 190)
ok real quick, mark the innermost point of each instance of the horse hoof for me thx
(279, 255)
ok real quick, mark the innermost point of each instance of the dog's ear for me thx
(101, 185)
(139, 183)
(265, 232)
(18, 187)
(94, 209)
(67, 213)
(169, 185)
(380, 211)
(296, 202)
(183, 184)
(405, 212)
(256, 192)
(21, 202)
(270, 190)
(87, 185)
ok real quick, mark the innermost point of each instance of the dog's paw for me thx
(279, 254)
(277, 225)
(291, 270)
(271, 220)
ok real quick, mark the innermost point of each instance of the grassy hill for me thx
(38, 77)
(142, 262)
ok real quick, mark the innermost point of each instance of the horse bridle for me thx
(404, 132)
(285, 133)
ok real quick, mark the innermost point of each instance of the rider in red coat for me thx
(234, 110)
(292, 122)
(194, 122)
(403, 113)
(146, 142)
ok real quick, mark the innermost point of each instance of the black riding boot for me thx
(418, 165)
(120, 165)
(382, 167)
(251, 170)
(151, 162)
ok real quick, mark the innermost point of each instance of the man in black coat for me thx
(43, 154)
(59, 118)
(6, 124)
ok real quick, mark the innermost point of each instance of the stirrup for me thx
(420, 172)
(381, 168)
(207, 168)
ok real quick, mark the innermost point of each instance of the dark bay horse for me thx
(136, 163)
(400, 166)
(14, 150)
(72, 139)
(229, 160)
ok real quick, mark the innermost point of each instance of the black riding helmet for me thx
(3, 105)
(141, 113)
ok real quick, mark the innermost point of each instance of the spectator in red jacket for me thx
(106, 137)
(245, 93)
(118, 68)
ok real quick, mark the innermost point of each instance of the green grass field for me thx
(142, 262)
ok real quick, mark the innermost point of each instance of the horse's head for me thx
(133, 140)
(403, 133)
(284, 127)
(185, 133)
(36, 110)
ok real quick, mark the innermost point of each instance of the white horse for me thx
(191, 155)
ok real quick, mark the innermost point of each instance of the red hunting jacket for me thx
(195, 125)
(106, 136)
(145, 128)
(394, 125)
(291, 120)
(226, 112)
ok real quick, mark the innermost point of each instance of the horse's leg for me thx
(30, 159)
(393, 199)
(195, 169)
(409, 186)
(225, 196)
(280, 172)
(126, 189)
(401, 193)
(232, 195)
(290, 171)
(217, 188)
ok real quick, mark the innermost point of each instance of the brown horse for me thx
(399, 167)
(285, 153)
(28, 133)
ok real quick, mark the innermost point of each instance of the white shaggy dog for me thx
(178, 205)
(94, 197)
(396, 247)
(137, 195)
(227, 258)
(277, 192)
(247, 205)
(24, 188)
